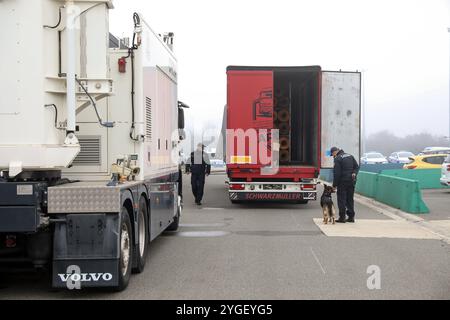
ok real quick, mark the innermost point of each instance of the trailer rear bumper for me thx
(273, 191)
(272, 196)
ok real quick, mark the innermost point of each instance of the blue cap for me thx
(333, 149)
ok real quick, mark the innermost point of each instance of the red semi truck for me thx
(280, 125)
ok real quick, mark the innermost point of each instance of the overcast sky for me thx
(402, 47)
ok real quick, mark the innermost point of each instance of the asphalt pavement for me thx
(438, 201)
(269, 251)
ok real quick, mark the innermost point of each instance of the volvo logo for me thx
(74, 277)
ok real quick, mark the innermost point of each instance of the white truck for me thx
(89, 137)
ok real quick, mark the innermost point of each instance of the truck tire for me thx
(125, 249)
(176, 220)
(141, 233)
(302, 201)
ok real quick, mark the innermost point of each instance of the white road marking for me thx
(201, 234)
(202, 225)
(317, 260)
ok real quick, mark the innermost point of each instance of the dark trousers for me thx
(345, 193)
(198, 183)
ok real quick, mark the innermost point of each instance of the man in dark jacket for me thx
(198, 166)
(345, 171)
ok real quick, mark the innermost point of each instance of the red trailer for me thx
(280, 125)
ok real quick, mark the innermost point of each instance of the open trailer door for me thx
(341, 114)
(249, 110)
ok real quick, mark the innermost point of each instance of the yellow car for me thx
(430, 161)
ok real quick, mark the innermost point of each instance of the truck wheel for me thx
(176, 220)
(126, 250)
(236, 201)
(141, 233)
(302, 201)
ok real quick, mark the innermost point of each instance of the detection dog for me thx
(328, 208)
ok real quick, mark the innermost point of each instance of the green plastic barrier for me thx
(367, 184)
(377, 168)
(428, 178)
(400, 193)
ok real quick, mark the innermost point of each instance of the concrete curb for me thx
(397, 214)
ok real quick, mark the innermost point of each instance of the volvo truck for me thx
(89, 136)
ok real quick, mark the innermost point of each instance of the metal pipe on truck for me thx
(71, 23)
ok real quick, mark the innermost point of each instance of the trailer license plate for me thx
(272, 187)
(310, 196)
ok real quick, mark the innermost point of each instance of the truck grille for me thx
(90, 151)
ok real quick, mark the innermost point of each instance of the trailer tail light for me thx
(122, 63)
(448, 167)
(411, 167)
(308, 187)
(10, 241)
(237, 186)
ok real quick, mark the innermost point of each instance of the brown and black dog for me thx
(326, 202)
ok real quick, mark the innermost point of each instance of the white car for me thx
(445, 178)
(373, 158)
(435, 150)
(401, 157)
(217, 163)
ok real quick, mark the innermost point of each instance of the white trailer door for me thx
(341, 114)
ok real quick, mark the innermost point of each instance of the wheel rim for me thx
(125, 248)
(141, 233)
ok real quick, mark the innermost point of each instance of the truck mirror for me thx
(180, 118)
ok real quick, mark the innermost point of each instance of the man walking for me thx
(345, 171)
(199, 167)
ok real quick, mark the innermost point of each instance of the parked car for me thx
(400, 157)
(429, 161)
(373, 158)
(445, 178)
(435, 150)
(217, 163)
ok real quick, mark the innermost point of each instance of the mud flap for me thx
(86, 251)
